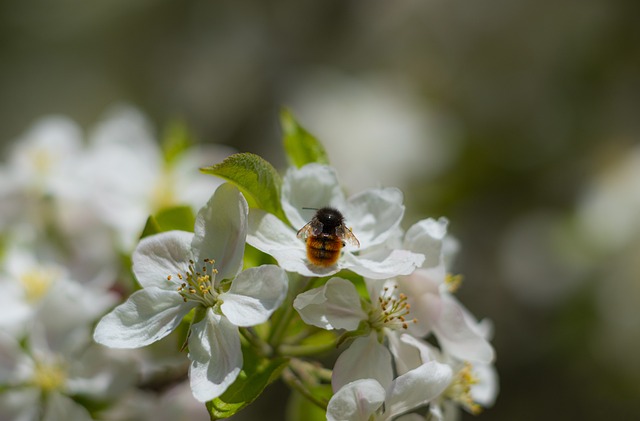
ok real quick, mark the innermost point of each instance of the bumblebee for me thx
(325, 235)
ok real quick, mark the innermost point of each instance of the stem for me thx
(306, 368)
(280, 325)
(305, 350)
(252, 337)
(292, 381)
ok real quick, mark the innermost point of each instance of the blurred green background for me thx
(516, 120)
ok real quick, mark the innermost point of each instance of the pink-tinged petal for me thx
(374, 215)
(417, 387)
(221, 231)
(366, 358)
(335, 305)
(457, 335)
(422, 289)
(254, 295)
(147, 316)
(383, 266)
(312, 186)
(215, 354)
(162, 255)
(356, 401)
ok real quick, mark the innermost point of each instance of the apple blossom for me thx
(180, 271)
(373, 216)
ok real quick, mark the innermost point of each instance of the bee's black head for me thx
(330, 218)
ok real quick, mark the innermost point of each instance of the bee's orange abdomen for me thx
(323, 250)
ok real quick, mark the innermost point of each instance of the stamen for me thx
(36, 282)
(49, 377)
(460, 389)
(199, 286)
(391, 311)
(453, 282)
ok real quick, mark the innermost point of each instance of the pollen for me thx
(42, 161)
(49, 377)
(459, 390)
(453, 282)
(37, 282)
(198, 284)
(391, 311)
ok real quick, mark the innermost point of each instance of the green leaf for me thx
(300, 408)
(175, 140)
(175, 218)
(257, 373)
(256, 178)
(301, 146)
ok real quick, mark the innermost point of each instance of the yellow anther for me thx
(453, 282)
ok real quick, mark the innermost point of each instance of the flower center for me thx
(36, 283)
(452, 282)
(41, 160)
(390, 311)
(49, 376)
(199, 284)
(460, 389)
(163, 194)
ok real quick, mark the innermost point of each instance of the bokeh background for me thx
(516, 120)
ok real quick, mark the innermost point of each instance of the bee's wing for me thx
(347, 235)
(305, 231)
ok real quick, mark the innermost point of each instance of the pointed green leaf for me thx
(175, 218)
(301, 146)
(257, 373)
(256, 178)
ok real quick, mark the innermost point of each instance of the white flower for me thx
(435, 309)
(131, 179)
(337, 305)
(40, 377)
(42, 165)
(180, 271)
(473, 386)
(42, 291)
(373, 215)
(370, 400)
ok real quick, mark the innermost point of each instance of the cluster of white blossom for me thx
(388, 368)
(71, 209)
(232, 285)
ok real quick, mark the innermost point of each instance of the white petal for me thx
(221, 231)
(357, 401)
(147, 316)
(405, 356)
(485, 391)
(162, 255)
(312, 186)
(417, 387)
(254, 295)
(60, 407)
(456, 334)
(11, 356)
(427, 237)
(335, 305)
(20, 404)
(374, 215)
(382, 266)
(366, 358)
(215, 354)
